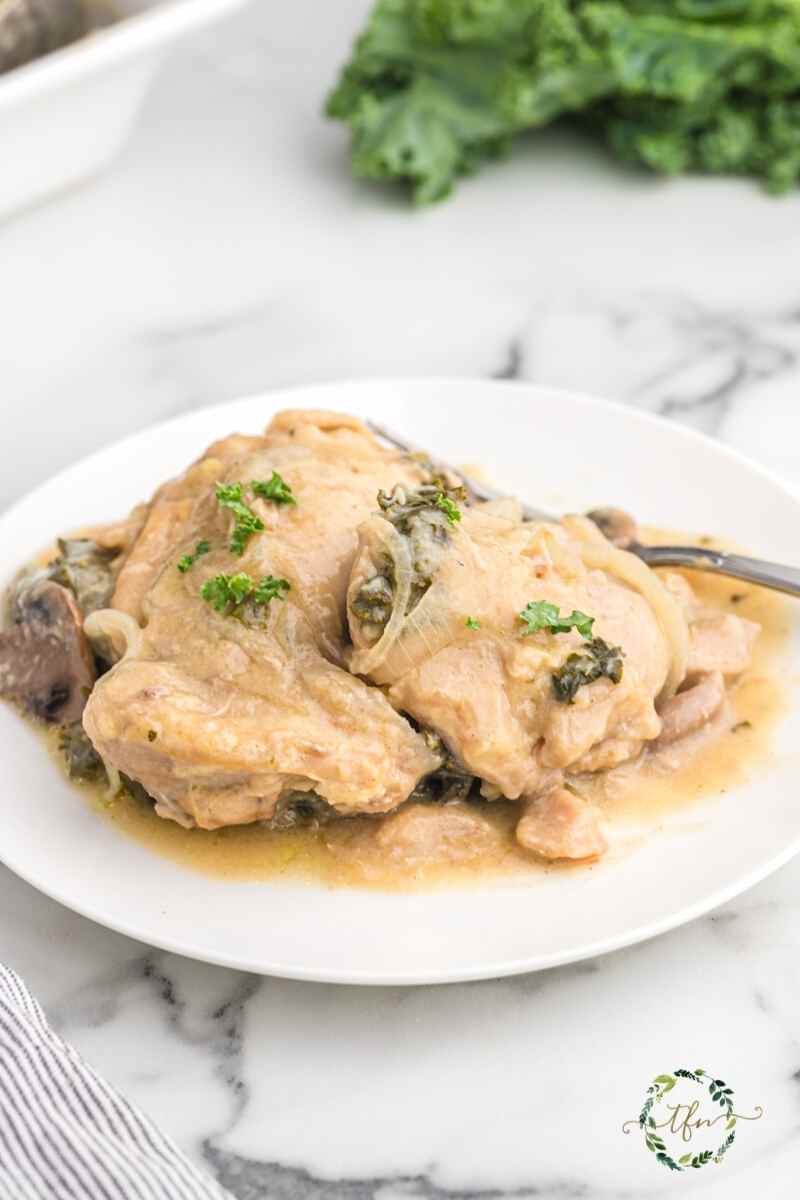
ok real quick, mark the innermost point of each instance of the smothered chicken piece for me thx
(220, 722)
(559, 824)
(221, 715)
(434, 606)
(334, 468)
(717, 641)
(455, 654)
(164, 522)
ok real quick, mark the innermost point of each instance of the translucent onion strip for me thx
(379, 539)
(631, 570)
(430, 627)
(119, 630)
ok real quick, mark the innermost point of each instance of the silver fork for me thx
(700, 558)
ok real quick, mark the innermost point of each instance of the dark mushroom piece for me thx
(31, 28)
(618, 526)
(46, 664)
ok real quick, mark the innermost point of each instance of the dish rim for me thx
(133, 33)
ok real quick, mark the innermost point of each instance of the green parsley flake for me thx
(275, 489)
(270, 588)
(233, 595)
(450, 510)
(247, 523)
(540, 614)
(472, 623)
(188, 560)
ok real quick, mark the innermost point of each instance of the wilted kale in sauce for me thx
(373, 603)
(597, 660)
(135, 789)
(84, 568)
(298, 808)
(83, 763)
(425, 516)
(80, 757)
(450, 781)
(437, 502)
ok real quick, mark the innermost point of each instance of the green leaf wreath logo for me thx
(702, 1106)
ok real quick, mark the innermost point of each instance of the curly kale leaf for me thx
(435, 87)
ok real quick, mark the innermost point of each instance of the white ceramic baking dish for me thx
(64, 116)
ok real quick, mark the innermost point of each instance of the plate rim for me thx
(305, 395)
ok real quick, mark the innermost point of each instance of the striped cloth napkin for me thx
(64, 1133)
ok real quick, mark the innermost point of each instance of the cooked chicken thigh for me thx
(435, 608)
(222, 715)
(460, 662)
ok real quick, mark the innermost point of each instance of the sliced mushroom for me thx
(31, 28)
(617, 525)
(46, 664)
(559, 824)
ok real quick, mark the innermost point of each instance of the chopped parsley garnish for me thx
(450, 510)
(275, 489)
(472, 623)
(188, 560)
(597, 661)
(239, 595)
(229, 496)
(270, 588)
(540, 614)
(226, 591)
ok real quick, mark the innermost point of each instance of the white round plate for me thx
(555, 449)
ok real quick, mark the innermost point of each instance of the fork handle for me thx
(736, 566)
(698, 558)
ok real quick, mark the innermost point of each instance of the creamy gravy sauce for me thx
(635, 798)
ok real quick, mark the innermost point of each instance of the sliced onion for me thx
(378, 537)
(426, 630)
(113, 777)
(631, 570)
(119, 630)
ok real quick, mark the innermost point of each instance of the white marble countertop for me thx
(228, 251)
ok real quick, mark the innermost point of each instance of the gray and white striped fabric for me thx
(64, 1133)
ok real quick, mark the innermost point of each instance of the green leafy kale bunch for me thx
(434, 87)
